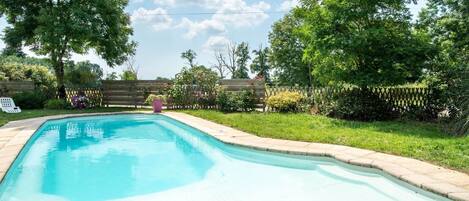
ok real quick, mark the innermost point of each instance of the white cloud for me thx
(216, 43)
(205, 26)
(165, 2)
(287, 5)
(135, 1)
(235, 13)
(158, 18)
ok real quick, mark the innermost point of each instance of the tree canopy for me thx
(59, 28)
(364, 43)
(190, 56)
(447, 25)
(286, 55)
(242, 58)
(260, 64)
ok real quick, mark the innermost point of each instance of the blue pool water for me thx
(153, 157)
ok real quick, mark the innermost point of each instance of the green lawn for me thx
(422, 141)
(25, 114)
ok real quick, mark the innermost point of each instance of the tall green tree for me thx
(242, 58)
(364, 43)
(447, 24)
(286, 55)
(59, 28)
(260, 64)
(190, 56)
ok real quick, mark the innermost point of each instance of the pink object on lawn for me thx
(157, 106)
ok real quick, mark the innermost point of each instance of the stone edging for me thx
(442, 181)
(449, 183)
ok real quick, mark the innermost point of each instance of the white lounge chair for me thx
(8, 105)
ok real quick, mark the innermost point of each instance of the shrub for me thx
(362, 105)
(153, 97)
(181, 95)
(245, 101)
(195, 86)
(57, 104)
(226, 102)
(15, 68)
(286, 102)
(30, 100)
(236, 101)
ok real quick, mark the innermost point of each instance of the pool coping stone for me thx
(439, 180)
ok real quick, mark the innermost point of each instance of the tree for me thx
(59, 28)
(111, 76)
(260, 64)
(82, 74)
(128, 75)
(242, 58)
(446, 23)
(200, 75)
(197, 80)
(131, 69)
(190, 56)
(363, 43)
(286, 55)
(235, 60)
(220, 66)
(228, 61)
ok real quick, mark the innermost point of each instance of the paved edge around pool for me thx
(449, 183)
(439, 180)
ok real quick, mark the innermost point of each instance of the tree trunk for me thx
(59, 73)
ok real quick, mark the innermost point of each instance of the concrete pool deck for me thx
(449, 183)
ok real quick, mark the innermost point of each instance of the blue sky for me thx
(163, 29)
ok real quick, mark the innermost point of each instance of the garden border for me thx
(449, 183)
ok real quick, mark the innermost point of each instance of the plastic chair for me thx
(8, 106)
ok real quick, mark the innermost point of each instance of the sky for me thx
(164, 29)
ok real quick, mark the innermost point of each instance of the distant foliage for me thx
(236, 101)
(128, 75)
(27, 61)
(286, 102)
(83, 74)
(242, 58)
(260, 64)
(190, 56)
(111, 76)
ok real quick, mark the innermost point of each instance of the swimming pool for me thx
(153, 157)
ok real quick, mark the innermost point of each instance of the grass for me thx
(423, 141)
(25, 114)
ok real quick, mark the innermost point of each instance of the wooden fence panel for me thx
(238, 85)
(10, 88)
(125, 92)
